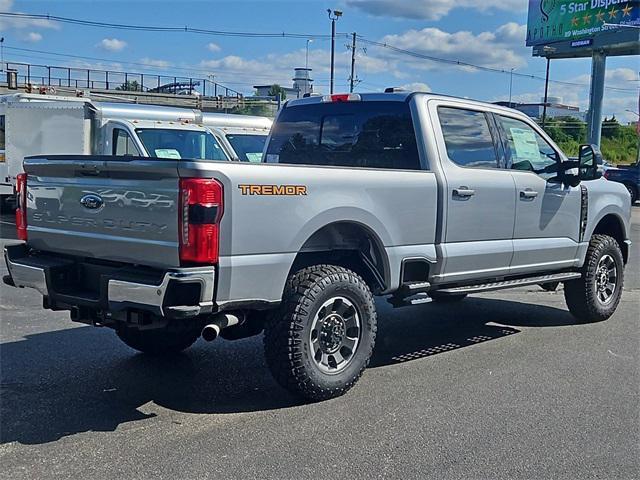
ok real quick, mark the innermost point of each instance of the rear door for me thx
(480, 207)
(547, 224)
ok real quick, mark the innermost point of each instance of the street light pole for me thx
(306, 61)
(353, 63)
(546, 94)
(548, 51)
(511, 86)
(333, 15)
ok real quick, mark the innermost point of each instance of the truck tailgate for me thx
(114, 208)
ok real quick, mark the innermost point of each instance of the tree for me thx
(611, 128)
(276, 90)
(130, 86)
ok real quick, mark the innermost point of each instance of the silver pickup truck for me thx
(412, 196)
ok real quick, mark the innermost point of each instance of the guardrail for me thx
(91, 78)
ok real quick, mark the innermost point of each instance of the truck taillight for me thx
(21, 211)
(201, 208)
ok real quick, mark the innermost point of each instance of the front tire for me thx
(322, 338)
(596, 295)
(168, 340)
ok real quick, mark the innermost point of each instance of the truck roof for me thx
(400, 96)
(137, 111)
(166, 125)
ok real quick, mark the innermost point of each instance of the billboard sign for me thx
(563, 20)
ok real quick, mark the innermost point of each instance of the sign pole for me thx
(546, 95)
(596, 95)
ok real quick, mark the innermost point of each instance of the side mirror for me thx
(589, 162)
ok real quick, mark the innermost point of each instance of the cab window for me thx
(527, 150)
(468, 138)
(365, 134)
(123, 143)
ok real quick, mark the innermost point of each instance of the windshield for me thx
(248, 147)
(178, 144)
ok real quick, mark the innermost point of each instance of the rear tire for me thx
(168, 340)
(320, 341)
(596, 295)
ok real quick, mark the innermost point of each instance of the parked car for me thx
(412, 196)
(628, 175)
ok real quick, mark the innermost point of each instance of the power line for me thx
(460, 63)
(158, 28)
(246, 34)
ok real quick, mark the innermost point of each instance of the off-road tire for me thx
(287, 332)
(581, 294)
(169, 340)
(447, 298)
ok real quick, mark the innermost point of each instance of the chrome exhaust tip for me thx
(210, 332)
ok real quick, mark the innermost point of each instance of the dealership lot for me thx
(502, 385)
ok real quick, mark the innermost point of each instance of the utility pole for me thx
(333, 16)
(353, 62)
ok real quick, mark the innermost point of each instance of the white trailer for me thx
(32, 124)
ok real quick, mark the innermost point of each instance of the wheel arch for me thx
(612, 225)
(338, 242)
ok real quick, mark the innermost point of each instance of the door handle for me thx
(528, 193)
(463, 192)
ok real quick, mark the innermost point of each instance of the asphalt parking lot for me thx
(502, 385)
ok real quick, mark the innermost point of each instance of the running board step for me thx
(417, 299)
(409, 289)
(521, 282)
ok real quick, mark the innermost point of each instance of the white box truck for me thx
(32, 124)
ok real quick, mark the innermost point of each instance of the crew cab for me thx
(412, 196)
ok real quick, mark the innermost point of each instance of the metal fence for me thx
(95, 79)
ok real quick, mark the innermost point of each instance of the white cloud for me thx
(151, 62)
(18, 23)
(616, 102)
(432, 9)
(213, 47)
(112, 44)
(616, 77)
(416, 87)
(502, 48)
(33, 37)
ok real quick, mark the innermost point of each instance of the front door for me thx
(480, 208)
(547, 225)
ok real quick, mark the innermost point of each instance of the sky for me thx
(489, 33)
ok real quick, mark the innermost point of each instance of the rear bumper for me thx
(67, 283)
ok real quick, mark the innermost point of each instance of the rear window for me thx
(349, 134)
